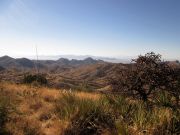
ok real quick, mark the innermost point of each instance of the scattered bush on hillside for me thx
(147, 75)
(37, 78)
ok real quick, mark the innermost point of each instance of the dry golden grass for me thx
(35, 111)
(35, 108)
(88, 95)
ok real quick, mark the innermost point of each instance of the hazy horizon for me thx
(119, 59)
(103, 28)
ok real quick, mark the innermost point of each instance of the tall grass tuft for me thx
(66, 106)
(87, 116)
(164, 99)
(92, 118)
(4, 112)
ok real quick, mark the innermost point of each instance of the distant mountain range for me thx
(9, 62)
(64, 73)
(88, 73)
(82, 57)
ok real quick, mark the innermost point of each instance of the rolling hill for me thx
(62, 73)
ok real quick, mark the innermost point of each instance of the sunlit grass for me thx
(47, 111)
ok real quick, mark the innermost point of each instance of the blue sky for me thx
(112, 28)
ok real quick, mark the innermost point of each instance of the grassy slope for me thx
(35, 108)
(45, 111)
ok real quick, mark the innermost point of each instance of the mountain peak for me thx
(6, 57)
(89, 59)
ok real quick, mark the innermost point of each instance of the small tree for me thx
(144, 77)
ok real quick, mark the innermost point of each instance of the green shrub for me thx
(37, 78)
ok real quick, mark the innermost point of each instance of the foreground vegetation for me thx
(28, 110)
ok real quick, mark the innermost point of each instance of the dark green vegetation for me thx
(36, 78)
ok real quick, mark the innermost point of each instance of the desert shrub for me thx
(146, 76)
(37, 78)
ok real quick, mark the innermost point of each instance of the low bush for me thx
(37, 78)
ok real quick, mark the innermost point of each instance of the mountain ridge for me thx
(9, 62)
